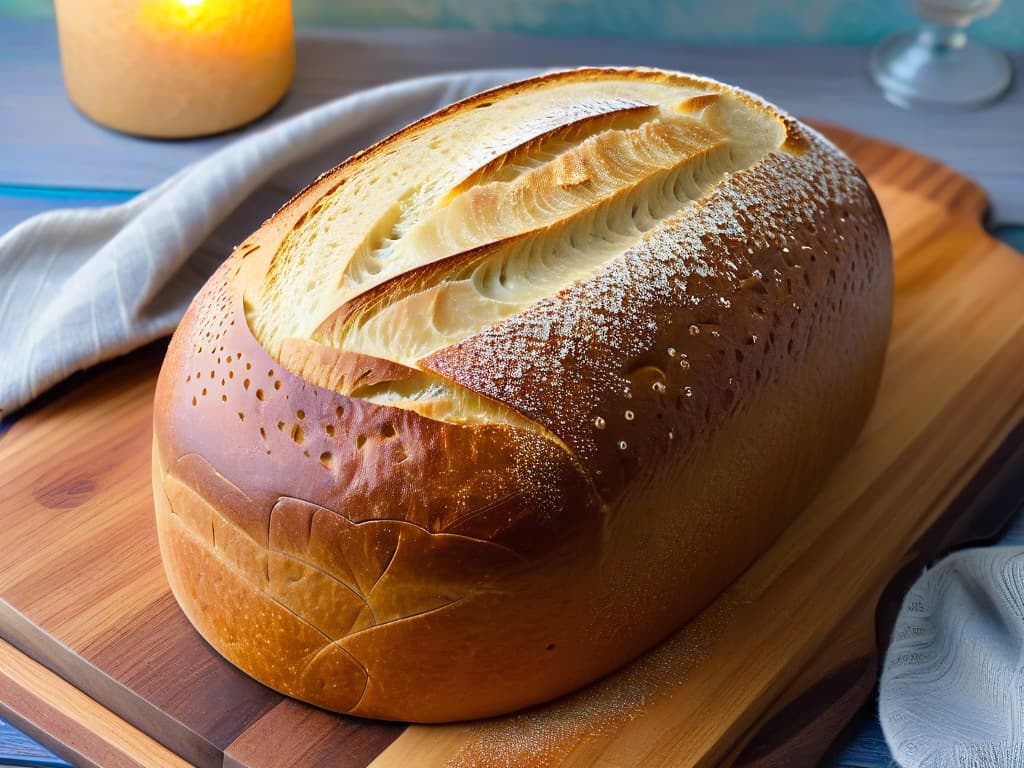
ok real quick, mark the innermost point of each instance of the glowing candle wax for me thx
(175, 68)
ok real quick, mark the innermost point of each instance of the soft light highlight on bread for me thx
(491, 408)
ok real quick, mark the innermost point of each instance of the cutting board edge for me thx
(112, 694)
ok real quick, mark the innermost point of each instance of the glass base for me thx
(916, 75)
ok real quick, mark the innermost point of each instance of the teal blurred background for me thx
(705, 22)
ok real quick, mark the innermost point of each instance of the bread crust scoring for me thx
(507, 517)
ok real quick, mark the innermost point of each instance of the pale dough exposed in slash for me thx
(527, 234)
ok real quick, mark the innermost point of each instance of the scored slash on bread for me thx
(445, 262)
(494, 406)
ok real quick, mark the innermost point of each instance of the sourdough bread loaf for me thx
(494, 406)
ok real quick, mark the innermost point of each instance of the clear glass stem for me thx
(943, 40)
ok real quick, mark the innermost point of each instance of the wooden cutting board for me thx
(768, 675)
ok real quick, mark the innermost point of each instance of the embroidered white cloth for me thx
(85, 285)
(952, 688)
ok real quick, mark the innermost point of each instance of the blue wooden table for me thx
(51, 157)
(18, 749)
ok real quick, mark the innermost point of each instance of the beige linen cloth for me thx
(81, 286)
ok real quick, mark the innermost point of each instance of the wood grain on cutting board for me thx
(82, 590)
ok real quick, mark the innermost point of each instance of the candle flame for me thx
(189, 10)
(214, 28)
(194, 15)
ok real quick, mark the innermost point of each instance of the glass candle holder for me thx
(175, 68)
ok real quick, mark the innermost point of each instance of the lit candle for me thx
(175, 68)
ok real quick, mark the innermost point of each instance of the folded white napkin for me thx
(81, 286)
(952, 689)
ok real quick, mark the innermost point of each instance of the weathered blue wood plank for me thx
(46, 142)
(18, 749)
(867, 747)
(19, 202)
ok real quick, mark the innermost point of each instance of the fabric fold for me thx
(952, 688)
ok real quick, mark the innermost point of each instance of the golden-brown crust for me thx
(676, 409)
